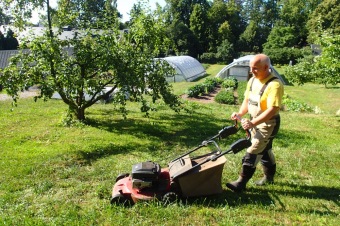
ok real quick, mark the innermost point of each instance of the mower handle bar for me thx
(223, 133)
(205, 143)
(235, 148)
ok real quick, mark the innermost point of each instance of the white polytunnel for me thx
(239, 69)
(187, 68)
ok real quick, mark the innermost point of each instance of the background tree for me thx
(287, 39)
(181, 10)
(184, 41)
(217, 16)
(199, 27)
(295, 13)
(249, 40)
(225, 52)
(188, 41)
(225, 26)
(325, 16)
(322, 69)
(259, 16)
(327, 65)
(86, 13)
(97, 59)
(279, 45)
(4, 18)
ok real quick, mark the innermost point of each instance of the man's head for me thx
(260, 65)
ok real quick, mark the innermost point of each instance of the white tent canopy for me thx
(187, 68)
(239, 69)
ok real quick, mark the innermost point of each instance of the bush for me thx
(225, 97)
(294, 105)
(213, 81)
(206, 87)
(196, 90)
(230, 82)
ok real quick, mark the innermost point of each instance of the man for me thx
(263, 99)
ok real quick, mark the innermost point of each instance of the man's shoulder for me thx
(274, 80)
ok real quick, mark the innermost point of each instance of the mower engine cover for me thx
(145, 174)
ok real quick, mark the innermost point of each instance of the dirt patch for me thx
(207, 98)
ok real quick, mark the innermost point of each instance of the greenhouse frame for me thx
(240, 70)
(187, 68)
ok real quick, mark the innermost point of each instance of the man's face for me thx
(259, 70)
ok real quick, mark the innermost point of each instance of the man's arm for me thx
(265, 116)
(242, 111)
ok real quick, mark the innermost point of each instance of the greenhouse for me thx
(187, 68)
(239, 69)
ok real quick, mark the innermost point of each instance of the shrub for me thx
(213, 81)
(225, 97)
(230, 82)
(196, 90)
(208, 87)
(294, 105)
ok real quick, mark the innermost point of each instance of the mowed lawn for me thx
(56, 175)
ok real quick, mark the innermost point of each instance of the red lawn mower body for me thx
(185, 176)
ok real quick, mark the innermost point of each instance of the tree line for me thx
(99, 55)
(220, 30)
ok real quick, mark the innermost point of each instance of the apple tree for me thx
(98, 63)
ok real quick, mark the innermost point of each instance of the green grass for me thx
(54, 175)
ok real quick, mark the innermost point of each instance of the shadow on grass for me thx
(167, 130)
(311, 192)
(192, 127)
(233, 199)
(271, 196)
(88, 157)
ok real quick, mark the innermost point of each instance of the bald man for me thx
(262, 100)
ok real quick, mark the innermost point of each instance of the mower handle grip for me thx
(247, 130)
(236, 147)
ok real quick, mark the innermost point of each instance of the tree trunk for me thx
(77, 113)
(81, 114)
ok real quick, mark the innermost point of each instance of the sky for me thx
(124, 7)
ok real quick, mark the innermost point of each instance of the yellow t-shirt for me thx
(272, 95)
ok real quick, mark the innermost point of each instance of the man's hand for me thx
(247, 124)
(235, 116)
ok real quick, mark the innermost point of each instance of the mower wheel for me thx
(120, 199)
(121, 176)
(170, 197)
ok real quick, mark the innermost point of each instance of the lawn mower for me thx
(184, 177)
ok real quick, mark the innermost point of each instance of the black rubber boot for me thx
(240, 184)
(268, 177)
